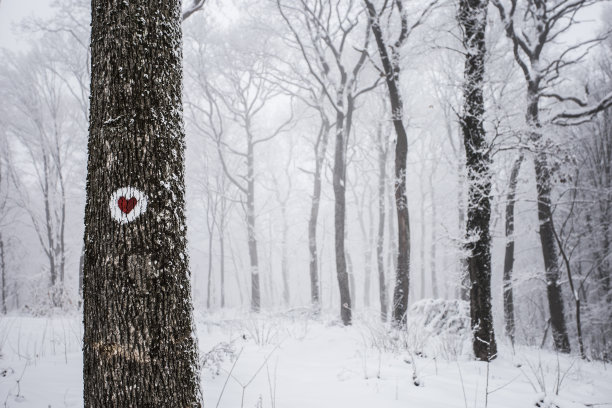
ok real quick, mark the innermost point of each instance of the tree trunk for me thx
(422, 243)
(320, 150)
(351, 276)
(391, 66)
(315, 295)
(62, 222)
(222, 266)
(138, 346)
(339, 183)
(252, 239)
(547, 239)
(472, 17)
(380, 240)
(464, 277)
(509, 256)
(570, 279)
(366, 236)
(434, 240)
(284, 255)
(50, 249)
(392, 247)
(3, 273)
(368, 239)
(210, 262)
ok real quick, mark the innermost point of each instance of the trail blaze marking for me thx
(126, 204)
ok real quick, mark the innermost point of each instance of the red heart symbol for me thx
(126, 205)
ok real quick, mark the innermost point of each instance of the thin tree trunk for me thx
(368, 256)
(221, 230)
(464, 276)
(366, 236)
(473, 19)
(210, 260)
(233, 257)
(422, 243)
(380, 241)
(62, 222)
(575, 294)
(339, 183)
(434, 239)
(547, 239)
(320, 149)
(284, 255)
(3, 273)
(222, 266)
(138, 346)
(392, 247)
(509, 256)
(252, 239)
(391, 66)
(50, 250)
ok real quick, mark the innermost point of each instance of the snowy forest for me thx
(306, 203)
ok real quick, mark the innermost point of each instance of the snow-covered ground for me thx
(294, 361)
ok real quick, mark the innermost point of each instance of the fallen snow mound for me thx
(441, 316)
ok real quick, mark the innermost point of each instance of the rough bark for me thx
(472, 17)
(81, 267)
(138, 346)
(509, 254)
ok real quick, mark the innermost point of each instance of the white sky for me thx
(13, 11)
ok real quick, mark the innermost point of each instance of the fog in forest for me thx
(291, 135)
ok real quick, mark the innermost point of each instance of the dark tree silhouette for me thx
(473, 19)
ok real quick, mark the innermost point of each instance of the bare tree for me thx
(389, 52)
(532, 28)
(322, 31)
(5, 210)
(245, 92)
(41, 122)
(283, 198)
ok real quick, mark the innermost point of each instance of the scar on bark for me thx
(110, 350)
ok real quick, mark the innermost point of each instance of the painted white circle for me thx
(126, 204)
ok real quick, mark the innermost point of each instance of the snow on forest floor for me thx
(293, 361)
